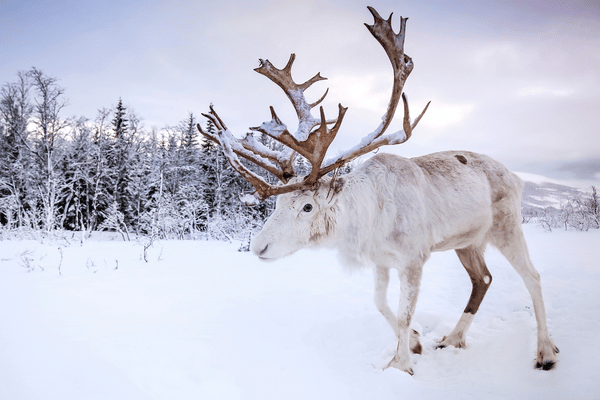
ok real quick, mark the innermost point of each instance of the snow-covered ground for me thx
(201, 320)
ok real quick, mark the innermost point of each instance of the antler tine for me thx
(216, 120)
(319, 142)
(295, 92)
(393, 44)
(408, 127)
(252, 151)
(316, 103)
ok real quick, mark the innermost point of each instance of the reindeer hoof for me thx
(545, 366)
(547, 359)
(451, 340)
(401, 365)
(441, 344)
(408, 370)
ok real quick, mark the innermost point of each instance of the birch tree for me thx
(49, 129)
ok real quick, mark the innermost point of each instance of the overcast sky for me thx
(517, 80)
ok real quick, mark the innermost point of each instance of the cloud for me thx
(498, 57)
(585, 169)
(442, 115)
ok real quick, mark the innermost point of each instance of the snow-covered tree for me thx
(47, 145)
(118, 158)
(77, 169)
(593, 207)
(15, 160)
(114, 220)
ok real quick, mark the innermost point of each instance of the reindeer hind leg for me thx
(511, 243)
(472, 259)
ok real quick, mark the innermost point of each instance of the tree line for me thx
(110, 172)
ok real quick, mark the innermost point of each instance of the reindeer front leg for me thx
(409, 283)
(382, 279)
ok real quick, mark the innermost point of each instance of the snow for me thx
(538, 179)
(201, 320)
(274, 127)
(249, 199)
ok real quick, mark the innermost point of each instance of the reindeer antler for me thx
(313, 137)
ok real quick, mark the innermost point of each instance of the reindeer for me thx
(390, 212)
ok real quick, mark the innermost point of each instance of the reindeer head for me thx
(302, 218)
(311, 141)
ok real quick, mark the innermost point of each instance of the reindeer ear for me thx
(337, 184)
(329, 188)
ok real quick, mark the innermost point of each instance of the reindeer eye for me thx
(307, 208)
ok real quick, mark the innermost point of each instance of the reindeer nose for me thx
(263, 251)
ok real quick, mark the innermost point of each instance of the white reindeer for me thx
(391, 212)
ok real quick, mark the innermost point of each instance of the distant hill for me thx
(554, 204)
(540, 192)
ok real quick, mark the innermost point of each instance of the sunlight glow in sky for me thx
(518, 80)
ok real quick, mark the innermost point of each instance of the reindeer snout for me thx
(263, 251)
(262, 254)
(259, 247)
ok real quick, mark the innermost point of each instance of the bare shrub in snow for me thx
(578, 213)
